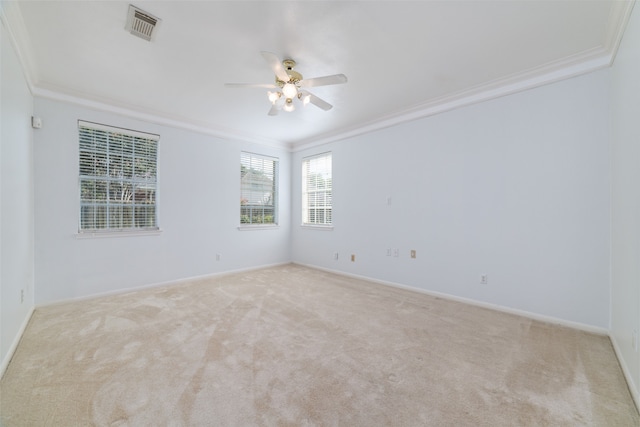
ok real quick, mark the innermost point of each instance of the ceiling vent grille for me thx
(141, 23)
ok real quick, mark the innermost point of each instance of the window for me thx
(316, 190)
(258, 189)
(118, 179)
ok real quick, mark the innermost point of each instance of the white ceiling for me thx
(403, 59)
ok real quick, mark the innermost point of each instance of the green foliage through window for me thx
(258, 189)
(118, 179)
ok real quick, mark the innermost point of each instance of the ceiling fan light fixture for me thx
(289, 90)
(290, 84)
(273, 96)
(288, 106)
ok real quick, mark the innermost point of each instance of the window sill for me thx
(103, 234)
(258, 227)
(317, 227)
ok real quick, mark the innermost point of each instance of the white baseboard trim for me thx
(16, 341)
(633, 387)
(159, 284)
(23, 327)
(635, 393)
(490, 306)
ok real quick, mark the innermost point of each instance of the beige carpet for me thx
(292, 346)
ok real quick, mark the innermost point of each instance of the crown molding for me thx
(12, 20)
(575, 65)
(618, 19)
(566, 68)
(153, 117)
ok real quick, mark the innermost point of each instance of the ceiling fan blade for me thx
(274, 110)
(276, 65)
(260, 85)
(323, 81)
(320, 103)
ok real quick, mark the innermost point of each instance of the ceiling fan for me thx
(290, 85)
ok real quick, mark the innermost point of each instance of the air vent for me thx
(141, 23)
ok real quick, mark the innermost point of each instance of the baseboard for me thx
(159, 284)
(16, 341)
(548, 319)
(496, 307)
(633, 387)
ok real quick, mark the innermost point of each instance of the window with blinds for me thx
(258, 189)
(316, 190)
(118, 179)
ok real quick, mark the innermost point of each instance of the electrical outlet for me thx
(396, 252)
(353, 258)
(413, 253)
(335, 256)
(218, 257)
(484, 279)
(21, 296)
(389, 252)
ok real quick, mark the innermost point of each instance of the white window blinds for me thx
(258, 189)
(316, 190)
(117, 178)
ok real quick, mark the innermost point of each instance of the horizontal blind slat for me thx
(105, 129)
(258, 189)
(317, 187)
(117, 175)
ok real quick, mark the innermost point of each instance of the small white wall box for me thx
(36, 122)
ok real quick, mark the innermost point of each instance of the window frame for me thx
(306, 165)
(247, 159)
(131, 216)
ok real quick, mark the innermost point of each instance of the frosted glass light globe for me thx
(288, 106)
(289, 90)
(273, 96)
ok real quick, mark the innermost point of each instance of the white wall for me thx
(516, 188)
(625, 291)
(16, 200)
(199, 210)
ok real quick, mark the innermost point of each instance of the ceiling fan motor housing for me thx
(294, 76)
